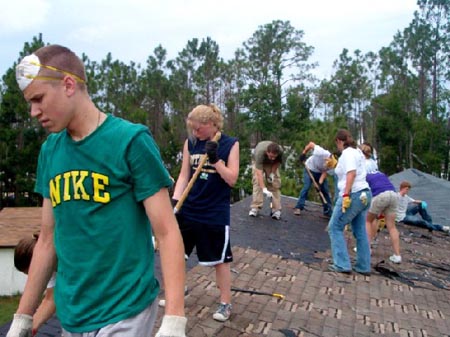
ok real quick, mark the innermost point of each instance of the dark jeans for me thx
(424, 221)
(307, 182)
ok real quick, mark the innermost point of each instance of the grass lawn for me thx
(8, 306)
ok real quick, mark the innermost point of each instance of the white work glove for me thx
(267, 193)
(270, 178)
(21, 326)
(172, 326)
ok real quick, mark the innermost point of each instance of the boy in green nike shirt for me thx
(105, 190)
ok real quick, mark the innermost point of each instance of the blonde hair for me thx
(366, 150)
(204, 114)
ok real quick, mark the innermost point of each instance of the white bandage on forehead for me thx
(27, 70)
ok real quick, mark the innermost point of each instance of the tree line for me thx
(396, 98)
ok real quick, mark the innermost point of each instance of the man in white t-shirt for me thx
(316, 164)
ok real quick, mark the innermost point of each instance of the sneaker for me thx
(297, 211)
(276, 215)
(395, 258)
(253, 212)
(162, 303)
(223, 312)
(446, 229)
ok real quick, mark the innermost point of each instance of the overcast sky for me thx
(131, 29)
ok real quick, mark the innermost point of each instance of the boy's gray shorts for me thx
(140, 325)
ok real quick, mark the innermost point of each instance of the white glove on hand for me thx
(172, 326)
(270, 178)
(267, 193)
(21, 326)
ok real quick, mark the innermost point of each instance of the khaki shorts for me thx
(384, 203)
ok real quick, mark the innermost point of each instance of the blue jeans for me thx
(411, 218)
(307, 182)
(336, 189)
(356, 216)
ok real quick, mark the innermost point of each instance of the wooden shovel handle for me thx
(316, 185)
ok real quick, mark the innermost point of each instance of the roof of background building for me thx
(18, 222)
(435, 191)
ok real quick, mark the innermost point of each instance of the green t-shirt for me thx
(102, 233)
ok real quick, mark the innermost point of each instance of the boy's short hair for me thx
(61, 58)
(404, 184)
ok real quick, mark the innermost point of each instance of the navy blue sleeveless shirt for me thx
(208, 202)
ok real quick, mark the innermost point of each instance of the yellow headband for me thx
(28, 69)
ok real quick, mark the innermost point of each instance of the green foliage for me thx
(397, 98)
(20, 140)
(243, 186)
(289, 186)
(171, 152)
(8, 306)
(429, 145)
(272, 51)
(389, 161)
